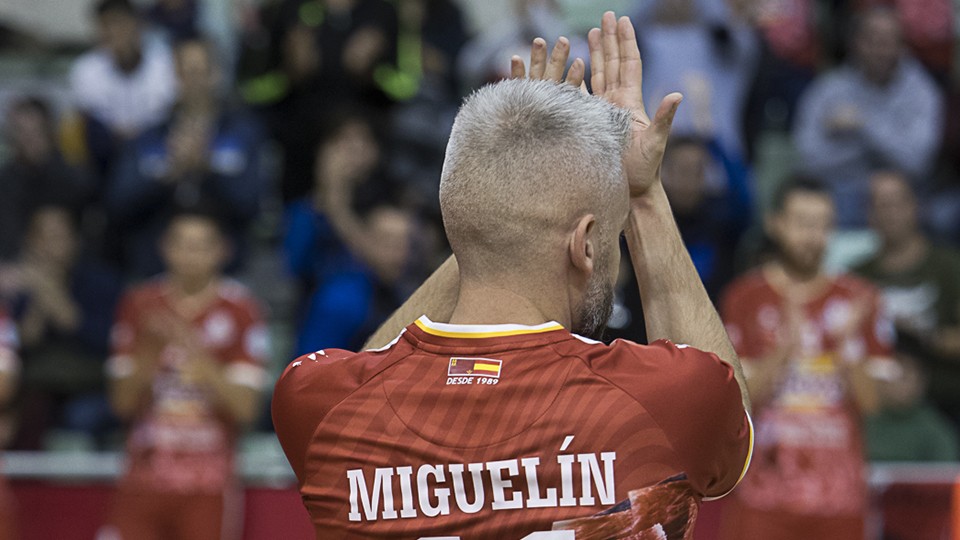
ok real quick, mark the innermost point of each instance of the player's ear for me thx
(227, 249)
(583, 245)
(164, 242)
(771, 224)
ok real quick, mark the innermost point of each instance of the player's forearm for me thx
(349, 227)
(338, 205)
(436, 299)
(675, 304)
(8, 386)
(33, 325)
(127, 394)
(863, 388)
(240, 403)
(946, 341)
(765, 376)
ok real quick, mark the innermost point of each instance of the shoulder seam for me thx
(656, 421)
(341, 400)
(620, 388)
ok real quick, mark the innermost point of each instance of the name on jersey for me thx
(434, 490)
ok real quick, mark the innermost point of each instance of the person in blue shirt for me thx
(353, 250)
(207, 150)
(336, 282)
(710, 195)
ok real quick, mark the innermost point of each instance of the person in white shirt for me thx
(127, 82)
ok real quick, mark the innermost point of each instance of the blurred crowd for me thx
(204, 159)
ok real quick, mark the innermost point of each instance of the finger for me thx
(631, 67)
(538, 58)
(595, 41)
(558, 60)
(611, 51)
(517, 69)
(576, 72)
(665, 113)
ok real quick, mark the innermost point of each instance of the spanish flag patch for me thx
(480, 367)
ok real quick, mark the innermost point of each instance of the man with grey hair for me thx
(505, 421)
(525, 156)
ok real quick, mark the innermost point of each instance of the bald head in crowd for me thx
(526, 162)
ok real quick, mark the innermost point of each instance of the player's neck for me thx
(802, 286)
(904, 254)
(193, 290)
(481, 304)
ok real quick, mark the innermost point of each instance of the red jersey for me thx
(180, 442)
(506, 430)
(807, 476)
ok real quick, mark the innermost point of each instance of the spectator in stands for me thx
(187, 374)
(176, 18)
(207, 150)
(9, 372)
(442, 32)
(791, 52)
(36, 173)
(706, 51)
(928, 30)
(879, 110)
(299, 99)
(920, 286)
(356, 37)
(432, 34)
(297, 109)
(416, 66)
(483, 59)
(338, 257)
(63, 304)
(805, 339)
(219, 20)
(123, 86)
(397, 248)
(711, 202)
(907, 427)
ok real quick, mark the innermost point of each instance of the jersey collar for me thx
(482, 330)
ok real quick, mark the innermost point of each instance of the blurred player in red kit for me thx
(9, 371)
(806, 339)
(187, 374)
(507, 420)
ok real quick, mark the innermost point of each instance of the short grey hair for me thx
(525, 158)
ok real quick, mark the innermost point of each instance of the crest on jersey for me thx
(474, 367)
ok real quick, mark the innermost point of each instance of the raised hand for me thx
(616, 74)
(552, 70)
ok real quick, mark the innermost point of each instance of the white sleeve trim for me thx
(746, 465)
(586, 340)
(120, 366)
(8, 361)
(388, 345)
(244, 374)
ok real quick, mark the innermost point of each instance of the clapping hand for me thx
(616, 74)
(552, 69)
